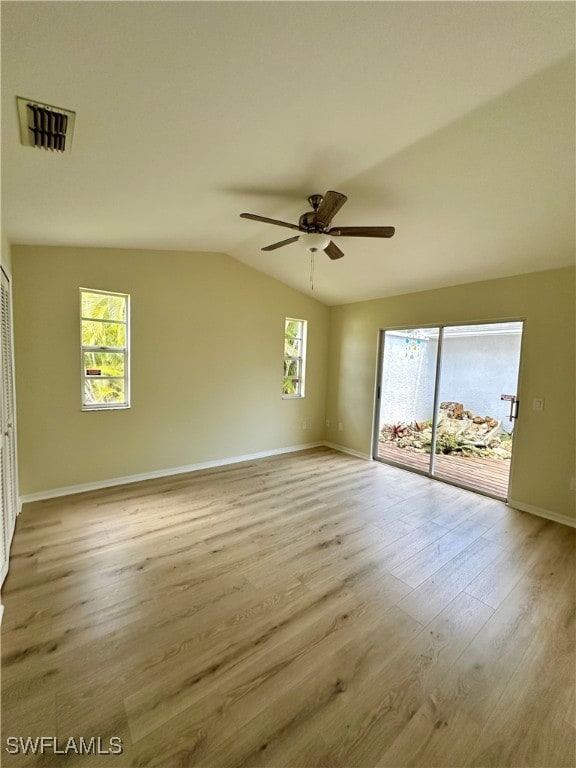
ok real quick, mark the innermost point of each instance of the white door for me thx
(3, 507)
(8, 482)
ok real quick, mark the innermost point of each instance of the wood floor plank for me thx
(306, 610)
(397, 552)
(432, 740)
(288, 622)
(482, 676)
(493, 584)
(438, 590)
(233, 715)
(527, 726)
(387, 700)
(430, 559)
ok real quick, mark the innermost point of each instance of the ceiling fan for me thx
(314, 225)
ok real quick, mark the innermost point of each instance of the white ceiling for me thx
(452, 121)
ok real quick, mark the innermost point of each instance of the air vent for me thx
(45, 126)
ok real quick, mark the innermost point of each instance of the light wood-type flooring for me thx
(311, 609)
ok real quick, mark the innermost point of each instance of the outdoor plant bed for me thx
(459, 432)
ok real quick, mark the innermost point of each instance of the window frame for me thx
(300, 359)
(125, 350)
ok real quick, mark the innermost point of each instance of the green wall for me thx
(545, 458)
(207, 361)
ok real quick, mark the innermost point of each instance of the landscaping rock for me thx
(459, 432)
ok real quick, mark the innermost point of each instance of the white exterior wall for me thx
(476, 371)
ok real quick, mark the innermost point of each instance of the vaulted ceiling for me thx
(452, 121)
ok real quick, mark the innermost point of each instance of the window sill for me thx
(89, 409)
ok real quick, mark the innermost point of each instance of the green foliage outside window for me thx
(104, 325)
(293, 357)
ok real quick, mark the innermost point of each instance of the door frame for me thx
(436, 406)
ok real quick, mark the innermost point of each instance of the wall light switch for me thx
(538, 404)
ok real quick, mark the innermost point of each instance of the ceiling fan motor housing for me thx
(306, 222)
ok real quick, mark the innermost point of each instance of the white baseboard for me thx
(343, 449)
(557, 518)
(53, 493)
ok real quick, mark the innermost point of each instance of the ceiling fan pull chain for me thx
(312, 269)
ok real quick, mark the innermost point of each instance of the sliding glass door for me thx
(407, 386)
(447, 402)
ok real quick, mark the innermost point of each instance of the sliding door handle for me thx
(514, 406)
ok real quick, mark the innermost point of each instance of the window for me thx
(105, 341)
(294, 357)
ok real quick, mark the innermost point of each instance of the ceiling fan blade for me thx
(280, 244)
(328, 208)
(362, 231)
(255, 217)
(333, 251)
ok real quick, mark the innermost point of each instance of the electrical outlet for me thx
(327, 422)
(538, 404)
(340, 426)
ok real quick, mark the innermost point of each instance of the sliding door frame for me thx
(436, 407)
(376, 425)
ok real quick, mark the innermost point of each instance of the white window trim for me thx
(90, 348)
(302, 358)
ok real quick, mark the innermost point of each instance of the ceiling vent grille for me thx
(45, 126)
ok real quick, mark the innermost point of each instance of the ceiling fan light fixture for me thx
(313, 241)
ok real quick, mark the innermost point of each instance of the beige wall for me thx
(207, 346)
(545, 457)
(5, 259)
